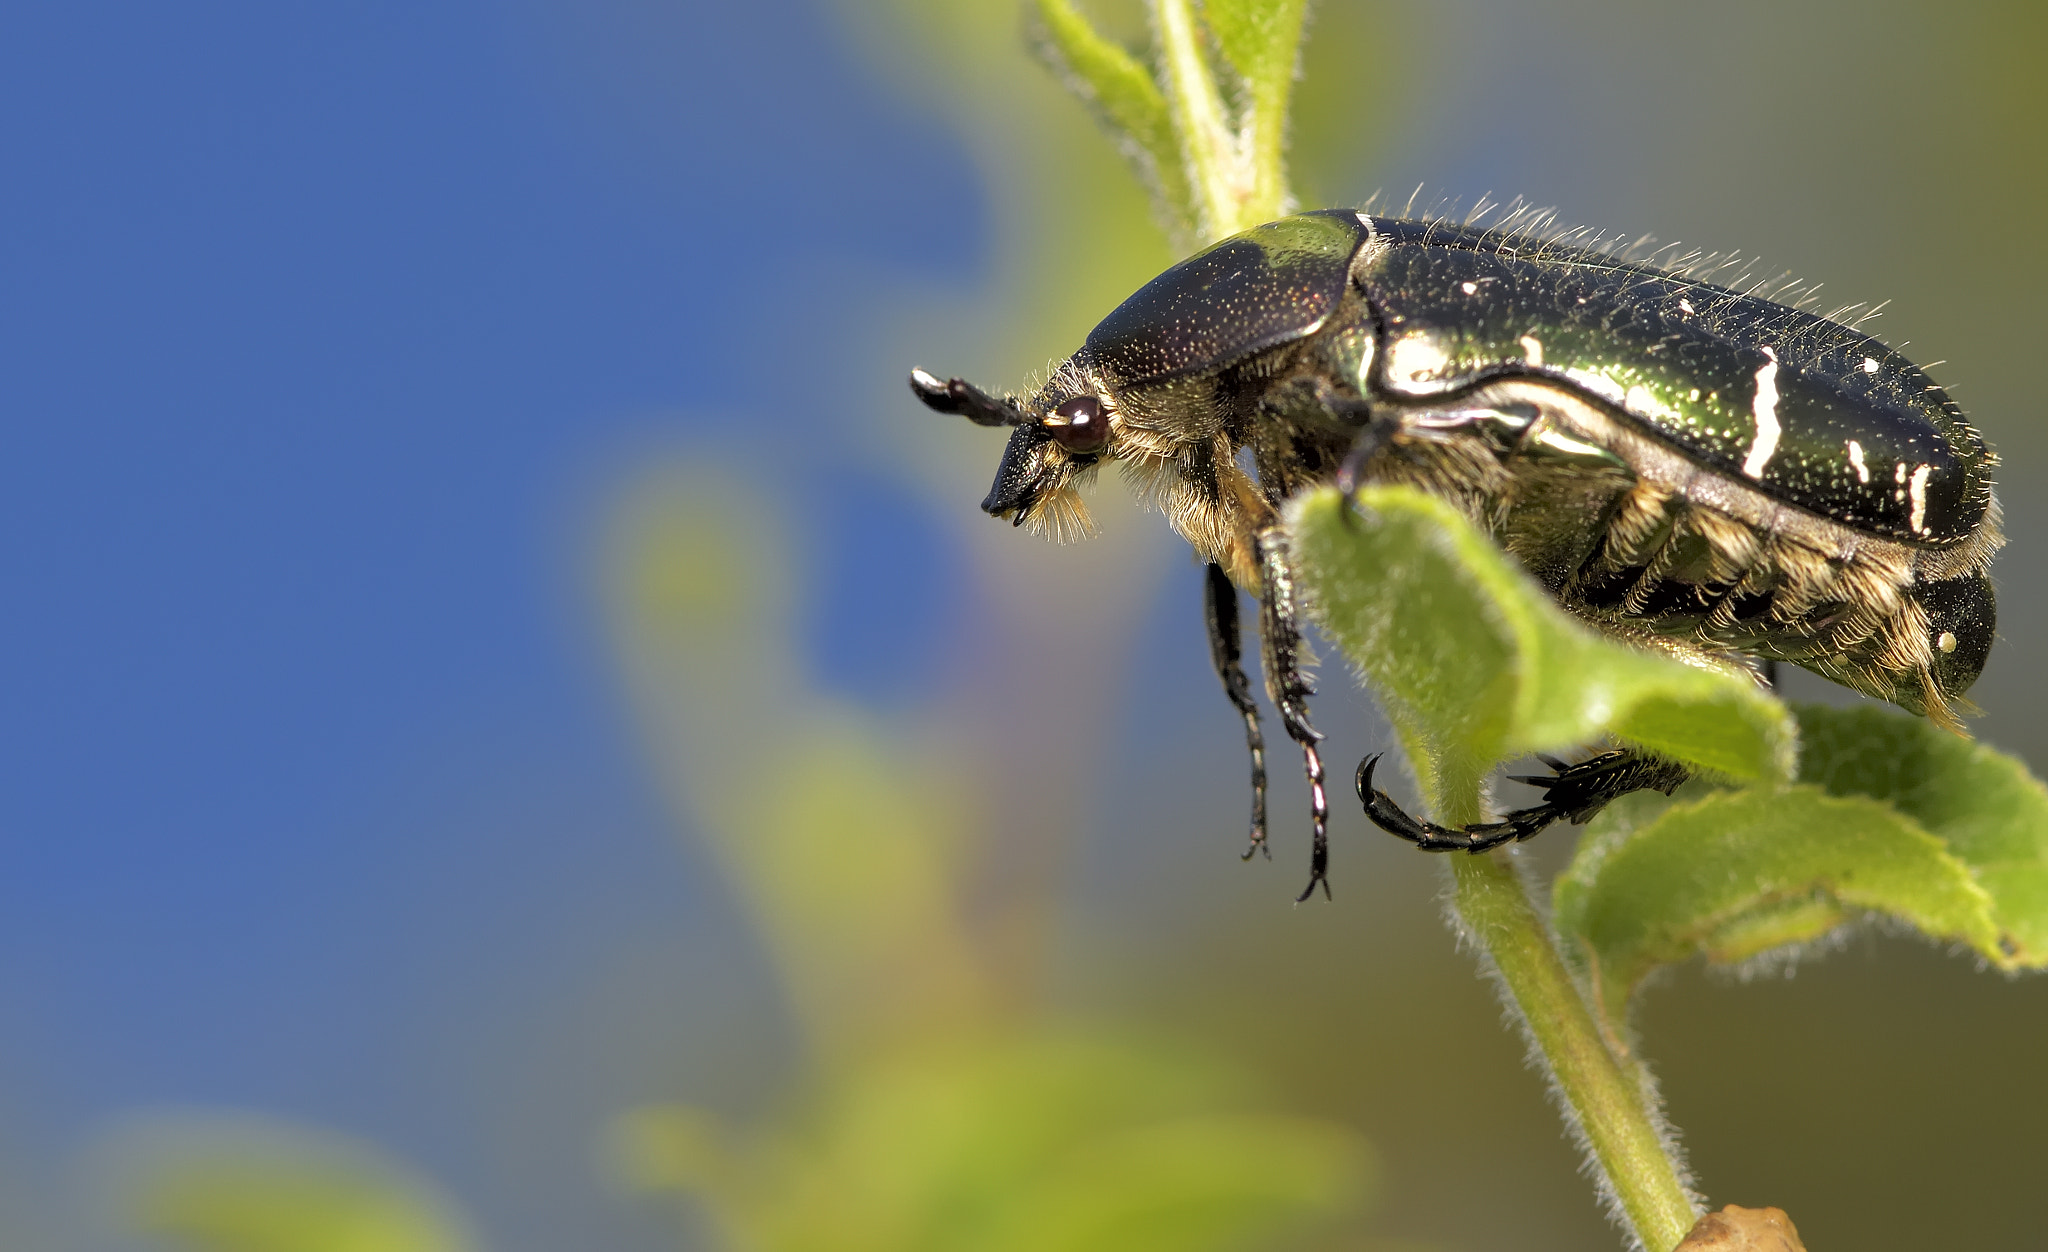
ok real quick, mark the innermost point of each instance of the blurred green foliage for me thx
(240, 1184)
(944, 1103)
(945, 1111)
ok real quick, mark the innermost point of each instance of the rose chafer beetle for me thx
(1691, 468)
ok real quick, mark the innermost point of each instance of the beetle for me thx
(1692, 468)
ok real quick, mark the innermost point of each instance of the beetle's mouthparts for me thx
(957, 395)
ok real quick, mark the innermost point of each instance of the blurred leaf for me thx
(1062, 1141)
(1734, 874)
(1131, 105)
(844, 842)
(1197, 1182)
(1259, 38)
(243, 1185)
(1476, 663)
(1982, 804)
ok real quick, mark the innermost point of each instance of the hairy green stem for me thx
(1221, 184)
(1612, 1109)
(1266, 131)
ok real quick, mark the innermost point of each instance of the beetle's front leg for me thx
(1220, 603)
(1376, 429)
(1280, 629)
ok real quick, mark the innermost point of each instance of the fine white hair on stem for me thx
(1534, 1057)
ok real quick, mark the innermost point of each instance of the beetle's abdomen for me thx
(1648, 544)
(1810, 412)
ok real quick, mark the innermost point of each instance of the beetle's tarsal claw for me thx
(1429, 836)
(1319, 814)
(958, 396)
(1318, 874)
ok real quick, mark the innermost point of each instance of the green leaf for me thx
(1476, 663)
(1129, 101)
(1735, 874)
(1984, 805)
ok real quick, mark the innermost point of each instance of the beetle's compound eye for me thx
(1080, 426)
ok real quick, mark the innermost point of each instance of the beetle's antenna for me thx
(957, 395)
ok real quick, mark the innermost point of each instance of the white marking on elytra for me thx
(1765, 409)
(1856, 459)
(1532, 349)
(1684, 304)
(1416, 359)
(1946, 641)
(1918, 488)
(1468, 288)
(1899, 472)
(1600, 385)
(1870, 365)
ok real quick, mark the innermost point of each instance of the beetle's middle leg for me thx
(1575, 793)
(1290, 688)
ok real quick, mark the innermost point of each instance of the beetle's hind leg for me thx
(1574, 793)
(1220, 605)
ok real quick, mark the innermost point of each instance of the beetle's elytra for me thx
(1694, 468)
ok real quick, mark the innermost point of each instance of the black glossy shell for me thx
(1809, 411)
(1251, 293)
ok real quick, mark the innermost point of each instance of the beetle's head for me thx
(1057, 437)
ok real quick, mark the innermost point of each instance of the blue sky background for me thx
(324, 330)
(327, 332)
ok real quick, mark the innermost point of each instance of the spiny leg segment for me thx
(1290, 689)
(1220, 603)
(1575, 793)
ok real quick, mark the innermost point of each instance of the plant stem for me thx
(1216, 170)
(1612, 1110)
(1266, 134)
